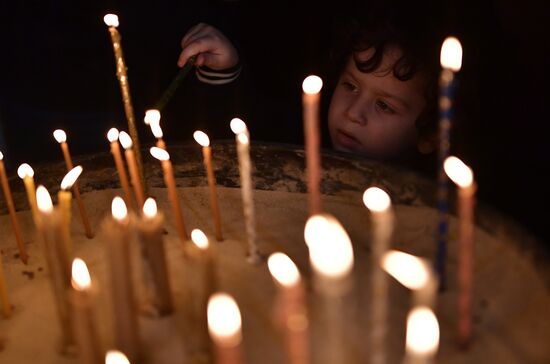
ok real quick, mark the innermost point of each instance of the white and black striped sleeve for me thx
(218, 77)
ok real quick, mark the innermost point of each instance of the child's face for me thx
(374, 113)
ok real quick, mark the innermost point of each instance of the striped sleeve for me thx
(218, 77)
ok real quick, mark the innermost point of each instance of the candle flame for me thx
(111, 20)
(150, 208)
(283, 269)
(243, 138)
(156, 130)
(199, 238)
(70, 178)
(407, 269)
(116, 357)
(237, 126)
(60, 136)
(458, 172)
(376, 199)
(224, 320)
(112, 134)
(125, 140)
(422, 331)
(118, 208)
(152, 116)
(330, 249)
(312, 85)
(81, 280)
(25, 170)
(1, 156)
(159, 153)
(201, 138)
(451, 54)
(43, 199)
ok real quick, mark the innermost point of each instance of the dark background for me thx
(57, 71)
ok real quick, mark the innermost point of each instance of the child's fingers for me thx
(192, 34)
(197, 46)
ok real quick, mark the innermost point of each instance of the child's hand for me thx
(212, 48)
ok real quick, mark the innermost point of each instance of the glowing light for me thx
(376, 199)
(243, 138)
(116, 357)
(152, 116)
(125, 140)
(422, 332)
(159, 154)
(237, 126)
(112, 134)
(25, 170)
(283, 269)
(150, 208)
(71, 177)
(312, 85)
(330, 249)
(201, 138)
(156, 130)
(407, 269)
(451, 54)
(224, 320)
(43, 199)
(199, 238)
(60, 136)
(111, 20)
(1, 156)
(81, 280)
(118, 208)
(458, 172)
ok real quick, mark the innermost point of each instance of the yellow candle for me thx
(331, 256)
(61, 138)
(82, 302)
(422, 338)
(6, 305)
(243, 153)
(64, 198)
(224, 325)
(11, 209)
(126, 142)
(163, 156)
(310, 102)
(379, 204)
(463, 177)
(290, 309)
(204, 141)
(111, 20)
(26, 173)
(117, 238)
(112, 136)
(150, 230)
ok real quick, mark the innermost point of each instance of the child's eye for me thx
(384, 107)
(349, 86)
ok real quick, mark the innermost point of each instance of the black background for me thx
(57, 71)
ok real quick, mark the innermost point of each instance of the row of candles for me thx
(327, 241)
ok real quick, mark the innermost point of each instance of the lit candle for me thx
(224, 325)
(127, 143)
(64, 198)
(379, 204)
(111, 20)
(451, 62)
(122, 291)
(6, 305)
(422, 338)
(331, 256)
(463, 176)
(205, 256)
(243, 141)
(204, 141)
(112, 136)
(11, 209)
(150, 230)
(310, 102)
(57, 262)
(116, 357)
(26, 173)
(290, 307)
(61, 137)
(85, 329)
(152, 118)
(164, 158)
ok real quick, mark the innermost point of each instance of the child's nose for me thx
(357, 112)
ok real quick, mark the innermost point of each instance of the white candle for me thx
(463, 177)
(224, 325)
(243, 153)
(379, 203)
(310, 102)
(422, 340)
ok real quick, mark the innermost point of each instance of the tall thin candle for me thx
(422, 340)
(112, 136)
(126, 142)
(26, 173)
(224, 325)
(4, 297)
(64, 198)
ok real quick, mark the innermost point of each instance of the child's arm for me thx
(217, 59)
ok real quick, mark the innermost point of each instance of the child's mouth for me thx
(346, 140)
